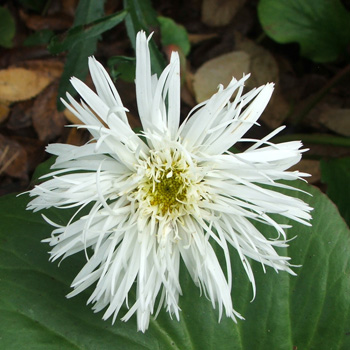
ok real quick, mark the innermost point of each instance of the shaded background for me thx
(303, 49)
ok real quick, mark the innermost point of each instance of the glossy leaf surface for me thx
(321, 27)
(310, 311)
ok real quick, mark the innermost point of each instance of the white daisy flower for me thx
(169, 194)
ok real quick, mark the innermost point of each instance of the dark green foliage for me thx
(308, 311)
(321, 27)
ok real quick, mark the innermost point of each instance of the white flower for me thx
(166, 195)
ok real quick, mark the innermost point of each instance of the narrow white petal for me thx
(143, 80)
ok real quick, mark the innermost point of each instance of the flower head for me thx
(166, 195)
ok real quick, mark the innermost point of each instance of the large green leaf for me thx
(141, 16)
(43, 169)
(85, 32)
(321, 27)
(310, 311)
(122, 67)
(41, 37)
(174, 34)
(77, 58)
(336, 174)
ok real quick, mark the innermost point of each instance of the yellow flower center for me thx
(167, 192)
(170, 186)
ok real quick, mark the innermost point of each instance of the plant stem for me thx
(260, 38)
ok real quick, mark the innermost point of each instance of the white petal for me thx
(143, 80)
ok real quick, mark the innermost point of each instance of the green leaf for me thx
(141, 16)
(123, 67)
(43, 168)
(85, 32)
(76, 66)
(41, 37)
(310, 311)
(88, 11)
(321, 27)
(77, 58)
(174, 34)
(335, 174)
(7, 27)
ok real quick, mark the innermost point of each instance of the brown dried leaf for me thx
(112, 6)
(13, 158)
(253, 59)
(198, 38)
(69, 6)
(264, 69)
(35, 150)
(71, 117)
(337, 120)
(50, 68)
(19, 84)
(78, 137)
(16, 55)
(57, 21)
(134, 120)
(327, 151)
(187, 95)
(21, 115)
(47, 121)
(276, 112)
(263, 66)
(311, 167)
(4, 112)
(216, 13)
(219, 70)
